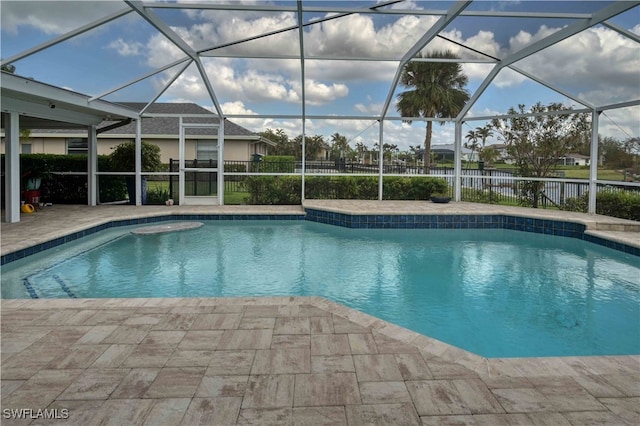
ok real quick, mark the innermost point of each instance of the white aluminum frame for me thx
(201, 200)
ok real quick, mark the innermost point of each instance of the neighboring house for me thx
(567, 160)
(501, 149)
(575, 160)
(446, 152)
(239, 143)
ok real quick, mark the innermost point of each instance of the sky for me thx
(599, 65)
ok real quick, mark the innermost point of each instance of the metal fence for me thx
(492, 186)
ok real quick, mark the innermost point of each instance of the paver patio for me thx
(243, 368)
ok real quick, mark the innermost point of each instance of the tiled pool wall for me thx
(462, 221)
(449, 221)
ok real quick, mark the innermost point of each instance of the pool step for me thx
(623, 227)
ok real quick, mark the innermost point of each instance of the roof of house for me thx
(574, 155)
(448, 148)
(169, 125)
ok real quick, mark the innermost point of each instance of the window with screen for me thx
(77, 146)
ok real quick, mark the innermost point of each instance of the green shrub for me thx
(58, 188)
(286, 189)
(412, 188)
(621, 204)
(157, 195)
(235, 168)
(272, 190)
(123, 157)
(485, 196)
(275, 164)
(577, 204)
(367, 188)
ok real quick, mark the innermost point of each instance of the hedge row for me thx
(287, 189)
(275, 164)
(69, 189)
(622, 204)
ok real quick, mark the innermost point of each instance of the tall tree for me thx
(361, 148)
(472, 142)
(313, 147)
(340, 146)
(438, 91)
(284, 146)
(537, 142)
(483, 134)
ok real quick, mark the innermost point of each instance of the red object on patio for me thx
(32, 197)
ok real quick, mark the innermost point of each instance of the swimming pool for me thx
(495, 292)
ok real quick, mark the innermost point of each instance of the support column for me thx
(138, 162)
(92, 166)
(221, 162)
(593, 167)
(457, 171)
(380, 161)
(12, 168)
(181, 154)
(304, 153)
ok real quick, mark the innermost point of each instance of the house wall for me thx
(41, 145)
(235, 150)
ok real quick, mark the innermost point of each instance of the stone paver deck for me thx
(275, 360)
(281, 361)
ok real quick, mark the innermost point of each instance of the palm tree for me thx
(437, 91)
(472, 142)
(483, 133)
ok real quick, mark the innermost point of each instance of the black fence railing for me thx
(502, 187)
(328, 167)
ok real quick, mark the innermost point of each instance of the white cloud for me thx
(371, 108)
(162, 51)
(318, 93)
(620, 123)
(588, 63)
(53, 17)
(239, 108)
(126, 48)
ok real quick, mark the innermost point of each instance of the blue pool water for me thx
(495, 292)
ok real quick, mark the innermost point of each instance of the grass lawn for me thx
(234, 197)
(570, 172)
(230, 197)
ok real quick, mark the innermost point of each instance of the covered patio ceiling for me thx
(43, 106)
